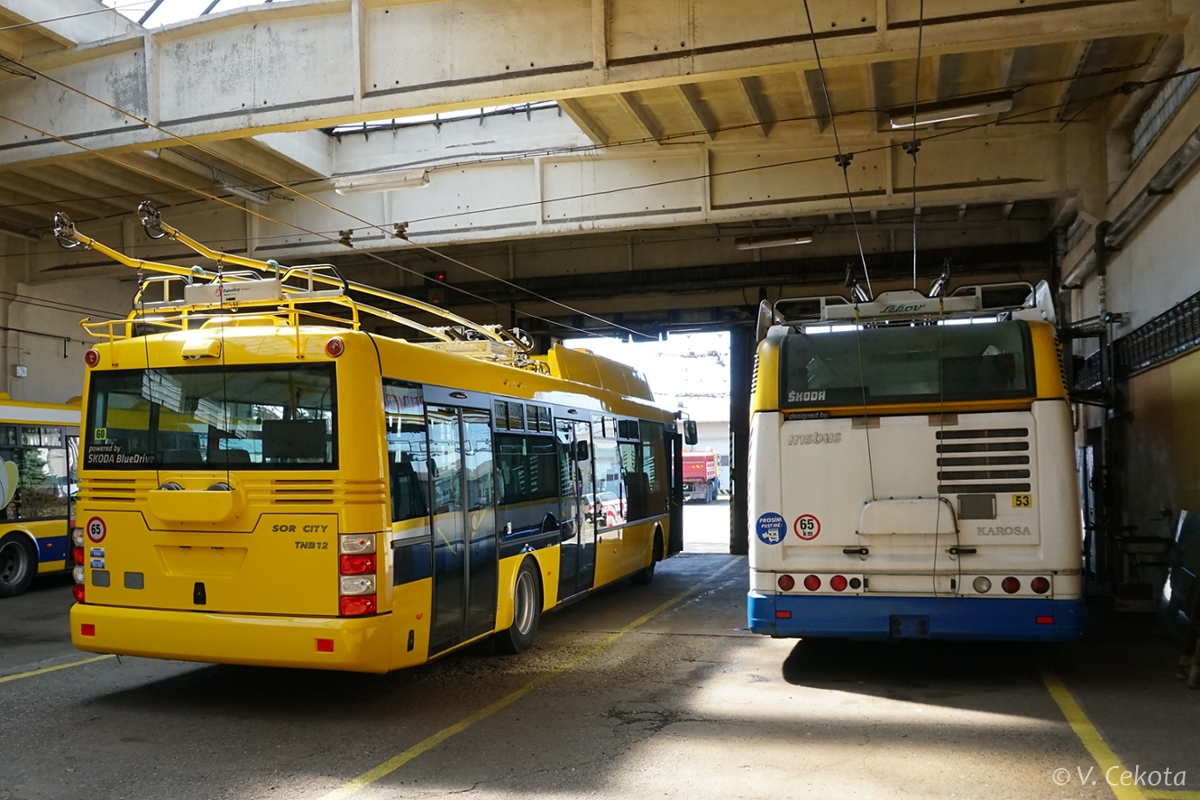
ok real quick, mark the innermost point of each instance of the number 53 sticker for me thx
(1022, 501)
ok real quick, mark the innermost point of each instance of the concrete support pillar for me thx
(741, 368)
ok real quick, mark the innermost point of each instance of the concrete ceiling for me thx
(690, 125)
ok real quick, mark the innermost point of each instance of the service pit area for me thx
(635, 693)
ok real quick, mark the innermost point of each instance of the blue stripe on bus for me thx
(52, 548)
(1011, 619)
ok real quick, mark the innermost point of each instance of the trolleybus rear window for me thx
(906, 364)
(205, 418)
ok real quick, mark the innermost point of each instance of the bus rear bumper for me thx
(360, 644)
(1010, 619)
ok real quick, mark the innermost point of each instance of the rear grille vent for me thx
(114, 490)
(985, 480)
(302, 491)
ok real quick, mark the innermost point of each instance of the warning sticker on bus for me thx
(771, 528)
(807, 527)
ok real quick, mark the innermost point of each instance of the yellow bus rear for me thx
(258, 492)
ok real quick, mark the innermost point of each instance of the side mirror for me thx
(582, 453)
(689, 432)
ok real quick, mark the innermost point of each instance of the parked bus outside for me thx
(38, 447)
(277, 486)
(912, 470)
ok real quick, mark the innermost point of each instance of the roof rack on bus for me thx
(1013, 300)
(181, 298)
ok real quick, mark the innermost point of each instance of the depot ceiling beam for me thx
(689, 97)
(583, 119)
(76, 21)
(642, 119)
(1073, 64)
(754, 104)
(266, 69)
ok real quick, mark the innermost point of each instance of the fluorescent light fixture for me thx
(772, 240)
(382, 181)
(949, 110)
(253, 197)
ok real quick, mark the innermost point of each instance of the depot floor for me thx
(684, 704)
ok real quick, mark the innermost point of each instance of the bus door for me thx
(464, 525)
(577, 567)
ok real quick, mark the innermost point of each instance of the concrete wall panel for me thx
(207, 72)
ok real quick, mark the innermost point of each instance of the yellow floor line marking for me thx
(1105, 758)
(394, 763)
(44, 670)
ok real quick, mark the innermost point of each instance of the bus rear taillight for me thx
(77, 558)
(358, 564)
(812, 583)
(358, 606)
(786, 583)
(1010, 585)
(837, 583)
(91, 357)
(1040, 585)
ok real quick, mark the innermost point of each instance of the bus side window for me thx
(408, 495)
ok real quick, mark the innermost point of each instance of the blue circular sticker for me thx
(771, 528)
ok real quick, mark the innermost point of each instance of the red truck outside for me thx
(701, 476)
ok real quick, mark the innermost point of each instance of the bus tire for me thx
(527, 609)
(644, 576)
(18, 564)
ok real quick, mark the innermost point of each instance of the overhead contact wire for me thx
(267, 218)
(327, 206)
(843, 160)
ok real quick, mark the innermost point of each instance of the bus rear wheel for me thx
(527, 609)
(643, 576)
(18, 564)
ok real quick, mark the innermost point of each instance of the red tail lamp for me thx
(1010, 585)
(812, 583)
(77, 591)
(787, 583)
(335, 347)
(358, 605)
(91, 357)
(837, 583)
(360, 564)
(1040, 585)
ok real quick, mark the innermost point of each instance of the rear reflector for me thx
(783, 615)
(357, 605)
(77, 590)
(324, 645)
(1044, 620)
(87, 629)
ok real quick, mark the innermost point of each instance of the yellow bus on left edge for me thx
(38, 445)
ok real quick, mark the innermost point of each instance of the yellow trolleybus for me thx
(38, 444)
(264, 482)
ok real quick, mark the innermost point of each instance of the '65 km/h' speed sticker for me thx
(807, 527)
(96, 530)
